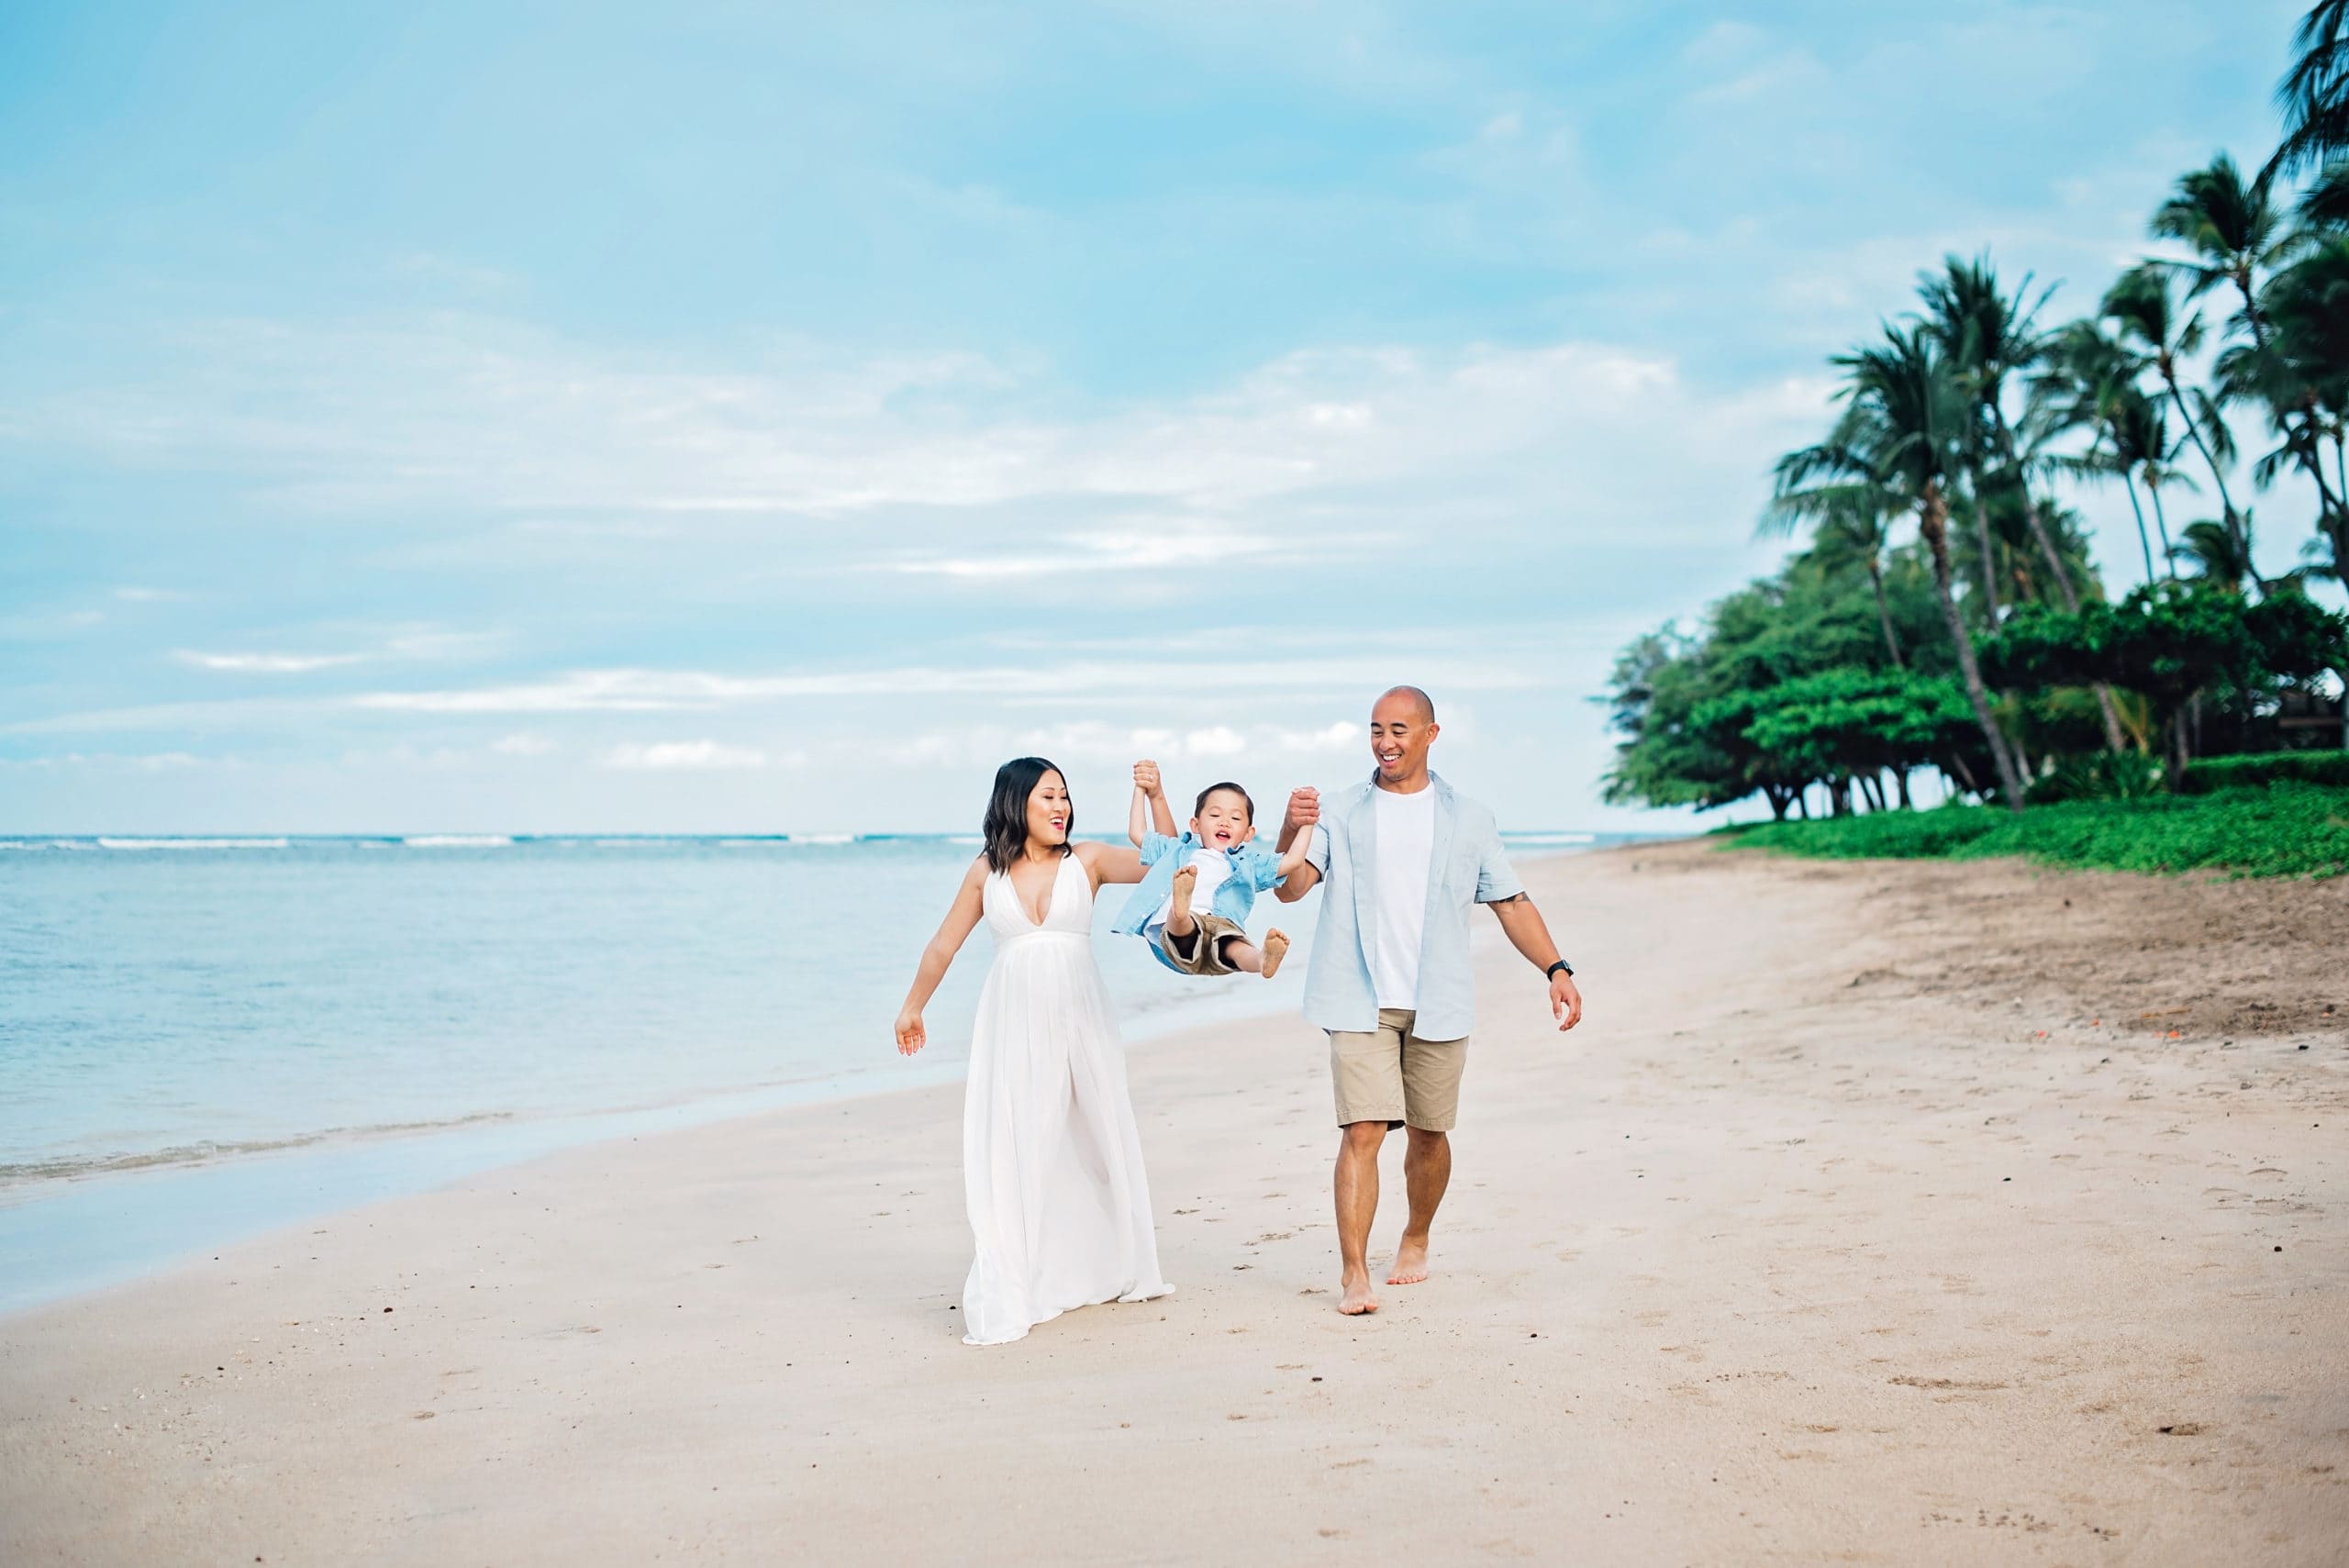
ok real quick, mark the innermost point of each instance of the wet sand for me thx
(1878, 1213)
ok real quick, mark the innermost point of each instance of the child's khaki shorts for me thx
(1390, 1074)
(1205, 954)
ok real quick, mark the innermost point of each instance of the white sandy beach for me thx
(1806, 1247)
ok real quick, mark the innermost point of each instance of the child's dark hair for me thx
(1005, 828)
(1201, 804)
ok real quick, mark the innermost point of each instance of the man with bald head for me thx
(1406, 859)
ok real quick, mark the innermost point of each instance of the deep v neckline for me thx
(1051, 894)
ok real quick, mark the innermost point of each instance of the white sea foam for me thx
(823, 838)
(456, 841)
(192, 843)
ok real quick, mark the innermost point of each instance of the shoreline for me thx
(1842, 1225)
(139, 1215)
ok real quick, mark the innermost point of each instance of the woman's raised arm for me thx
(1111, 863)
(961, 917)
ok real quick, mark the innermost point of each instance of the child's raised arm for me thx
(1299, 851)
(1150, 808)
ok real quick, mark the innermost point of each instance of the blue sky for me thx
(747, 418)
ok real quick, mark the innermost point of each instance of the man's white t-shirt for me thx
(1405, 843)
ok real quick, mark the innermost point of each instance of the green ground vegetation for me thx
(2283, 829)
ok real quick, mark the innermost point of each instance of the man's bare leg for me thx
(1356, 1187)
(1427, 1170)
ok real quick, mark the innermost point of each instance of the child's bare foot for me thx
(1276, 949)
(1178, 918)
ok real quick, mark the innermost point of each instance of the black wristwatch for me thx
(1554, 969)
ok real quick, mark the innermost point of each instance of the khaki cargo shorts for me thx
(1390, 1074)
(1206, 947)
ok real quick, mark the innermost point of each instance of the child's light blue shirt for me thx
(1252, 871)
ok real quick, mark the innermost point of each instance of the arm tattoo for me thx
(1514, 898)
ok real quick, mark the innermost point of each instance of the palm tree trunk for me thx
(2226, 502)
(2312, 459)
(2169, 558)
(1982, 542)
(1933, 522)
(2113, 740)
(2144, 543)
(1883, 615)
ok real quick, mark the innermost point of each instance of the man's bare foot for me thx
(1178, 918)
(1410, 1263)
(1276, 949)
(1357, 1299)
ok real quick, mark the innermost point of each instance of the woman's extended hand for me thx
(911, 1036)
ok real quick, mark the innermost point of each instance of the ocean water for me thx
(201, 1038)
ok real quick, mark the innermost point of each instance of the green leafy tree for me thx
(2170, 641)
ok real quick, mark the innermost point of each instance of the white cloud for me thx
(422, 642)
(422, 416)
(264, 663)
(685, 756)
(1183, 542)
(522, 744)
(644, 690)
(1340, 735)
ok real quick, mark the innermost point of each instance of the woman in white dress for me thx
(1051, 1162)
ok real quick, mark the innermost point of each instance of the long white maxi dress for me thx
(1052, 1161)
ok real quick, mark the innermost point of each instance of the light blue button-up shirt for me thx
(1252, 872)
(1468, 868)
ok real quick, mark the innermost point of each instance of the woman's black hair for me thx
(1006, 829)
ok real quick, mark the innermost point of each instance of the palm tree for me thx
(2238, 234)
(2314, 94)
(1850, 521)
(1997, 337)
(2234, 227)
(1984, 337)
(1903, 427)
(2212, 548)
(2090, 380)
(2139, 303)
(2298, 368)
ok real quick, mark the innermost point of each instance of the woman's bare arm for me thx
(962, 918)
(1111, 863)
